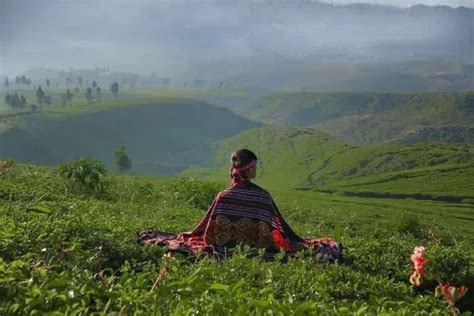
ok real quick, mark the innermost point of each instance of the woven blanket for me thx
(242, 216)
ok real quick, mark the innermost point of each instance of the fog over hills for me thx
(306, 45)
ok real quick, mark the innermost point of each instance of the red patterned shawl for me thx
(244, 214)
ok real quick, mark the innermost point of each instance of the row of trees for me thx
(16, 101)
(24, 81)
(42, 97)
(18, 81)
(19, 102)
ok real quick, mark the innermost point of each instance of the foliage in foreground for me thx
(71, 252)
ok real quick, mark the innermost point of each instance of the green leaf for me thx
(219, 287)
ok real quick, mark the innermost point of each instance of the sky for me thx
(407, 3)
(169, 37)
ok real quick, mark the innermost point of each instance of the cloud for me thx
(148, 36)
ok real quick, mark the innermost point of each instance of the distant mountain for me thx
(313, 46)
(278, 45)
(366, 118)
(161, 137)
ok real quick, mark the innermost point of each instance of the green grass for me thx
(368, 118)
(307, 158)
(68, 252)
(126, 97)
(287, 155)
(163, 135)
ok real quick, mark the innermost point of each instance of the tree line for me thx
(18, 102)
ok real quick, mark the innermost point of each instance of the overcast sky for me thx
(407, 3)
(168, 36)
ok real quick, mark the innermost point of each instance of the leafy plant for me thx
(196, 193)
(122, 161)
(84, 174)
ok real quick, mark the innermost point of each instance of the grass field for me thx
(308, 159)
(163, 134)
(71, 252)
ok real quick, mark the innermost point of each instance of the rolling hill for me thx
(370, 118)
(162, 135)
(308, 159)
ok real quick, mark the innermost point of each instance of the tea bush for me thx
(84, 175)
(68, 253)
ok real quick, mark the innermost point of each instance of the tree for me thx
(69, 95)
(122, 161)
(114, 87)
(79, 81)
(14, 101)
(23, 102)
(47, 82)
(88, 95)
(6, 83)
(28, 82)
(94, 84)
(8, 100)
(76, 90)
(17, 80)
(40, 95)
(98, 91)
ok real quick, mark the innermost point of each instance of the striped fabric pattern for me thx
(242, 215)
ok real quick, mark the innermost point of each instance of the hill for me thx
(308, 159)
(161, 135)
(368, 118)
(287, 155)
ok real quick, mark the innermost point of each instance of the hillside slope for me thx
(161, 137)
(286, 155)
(308, 159)
(368, 118)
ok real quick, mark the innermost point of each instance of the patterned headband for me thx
(251, 164)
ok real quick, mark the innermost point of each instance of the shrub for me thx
(410, 224)
(6, 165)
(84, 175)
(447, 264)
(196, 193)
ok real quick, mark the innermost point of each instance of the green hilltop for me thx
(163, 135)
(308, 159)
(368, 118)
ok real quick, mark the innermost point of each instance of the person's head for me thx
(243, 162)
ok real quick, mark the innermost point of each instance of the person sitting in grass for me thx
(243, 214)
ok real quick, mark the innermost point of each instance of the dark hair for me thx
(241, 158)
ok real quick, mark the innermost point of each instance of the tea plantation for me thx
(70, 249)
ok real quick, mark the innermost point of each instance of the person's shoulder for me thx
(249, 187)
(255, 187)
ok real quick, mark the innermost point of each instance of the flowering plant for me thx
(450, 292)
(418, 263)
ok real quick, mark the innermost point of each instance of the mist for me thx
(234, 41)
